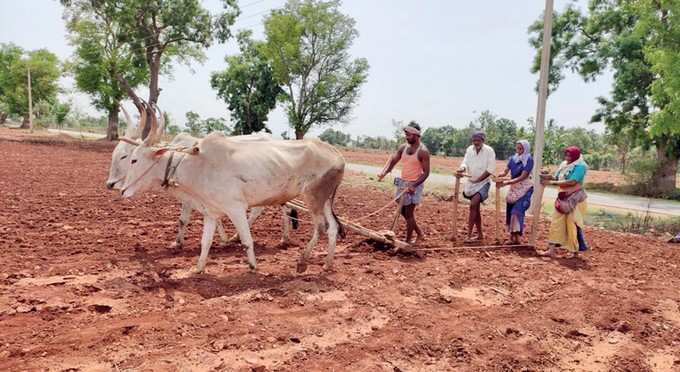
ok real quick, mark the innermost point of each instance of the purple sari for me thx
(515, 211)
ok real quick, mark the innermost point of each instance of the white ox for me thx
(224, 177)
(120, 165)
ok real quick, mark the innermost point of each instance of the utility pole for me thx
(30, 103)
(540, 120)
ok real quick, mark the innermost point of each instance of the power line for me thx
(250, 3)
(253, 15)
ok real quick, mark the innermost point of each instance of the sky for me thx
(434, 61)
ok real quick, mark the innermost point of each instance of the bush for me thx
(641, 174)
(335, 137)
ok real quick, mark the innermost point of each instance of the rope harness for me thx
(389, 204)
(143, 174)
(170, 170)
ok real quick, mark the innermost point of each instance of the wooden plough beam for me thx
(401, 245)
(389, 240)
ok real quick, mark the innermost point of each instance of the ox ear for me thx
(159, 152)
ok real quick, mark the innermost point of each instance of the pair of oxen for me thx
(225, 176)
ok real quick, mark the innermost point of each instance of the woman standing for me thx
(521, 188)
(566, 228)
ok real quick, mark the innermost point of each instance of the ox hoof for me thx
(175, 246)
(301, 267)
(252, 266)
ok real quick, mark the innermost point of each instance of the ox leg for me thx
(252, 216)
(286, 222)
(238, 218)
(302, 263)
(209, 224)
(332, 232)
(221, 232)
(184, 217)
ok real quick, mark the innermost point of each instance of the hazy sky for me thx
(435, 61)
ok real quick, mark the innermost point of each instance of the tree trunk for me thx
(112, 128)
(3, 118)
(154, 71)
(25, 124)
(299, 134)
(624, 161)
(665, 176)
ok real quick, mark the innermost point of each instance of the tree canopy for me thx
(638, 41)
(247, 86)
(14, 65)
(307, 44)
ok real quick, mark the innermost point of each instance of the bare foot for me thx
(551, 252)
(574, 255)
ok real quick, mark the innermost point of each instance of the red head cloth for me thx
(574, 152)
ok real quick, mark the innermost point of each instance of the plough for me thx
(388, 237)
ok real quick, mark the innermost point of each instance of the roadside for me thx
(612, 202)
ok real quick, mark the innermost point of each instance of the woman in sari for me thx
(519, 196)
(566, 228)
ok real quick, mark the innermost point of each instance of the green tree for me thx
(638, 41)
(335, 137)
(501, 133)
(158, 33)
(307, 43)
(198, 127)
(14, 66)
(376, 143)
(215, 125)
(98, 59)
(60, 111)
(247, 86)
(10, 56)
(193, 124)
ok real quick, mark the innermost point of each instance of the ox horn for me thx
(142, 120)
(129, 140)
(161, 123)
(130, 131)
(152, 138)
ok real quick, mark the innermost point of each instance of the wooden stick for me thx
(458, 248)
(358, 229)
(456, 189)
(498, 212)
(468, 247)
(400, 205)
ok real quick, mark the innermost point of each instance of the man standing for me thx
(480, 164)
(415, 170)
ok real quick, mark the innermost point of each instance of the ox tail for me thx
(341, 228)
(293, 214)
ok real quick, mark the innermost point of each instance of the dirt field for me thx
(88, 284)
(447, 165)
